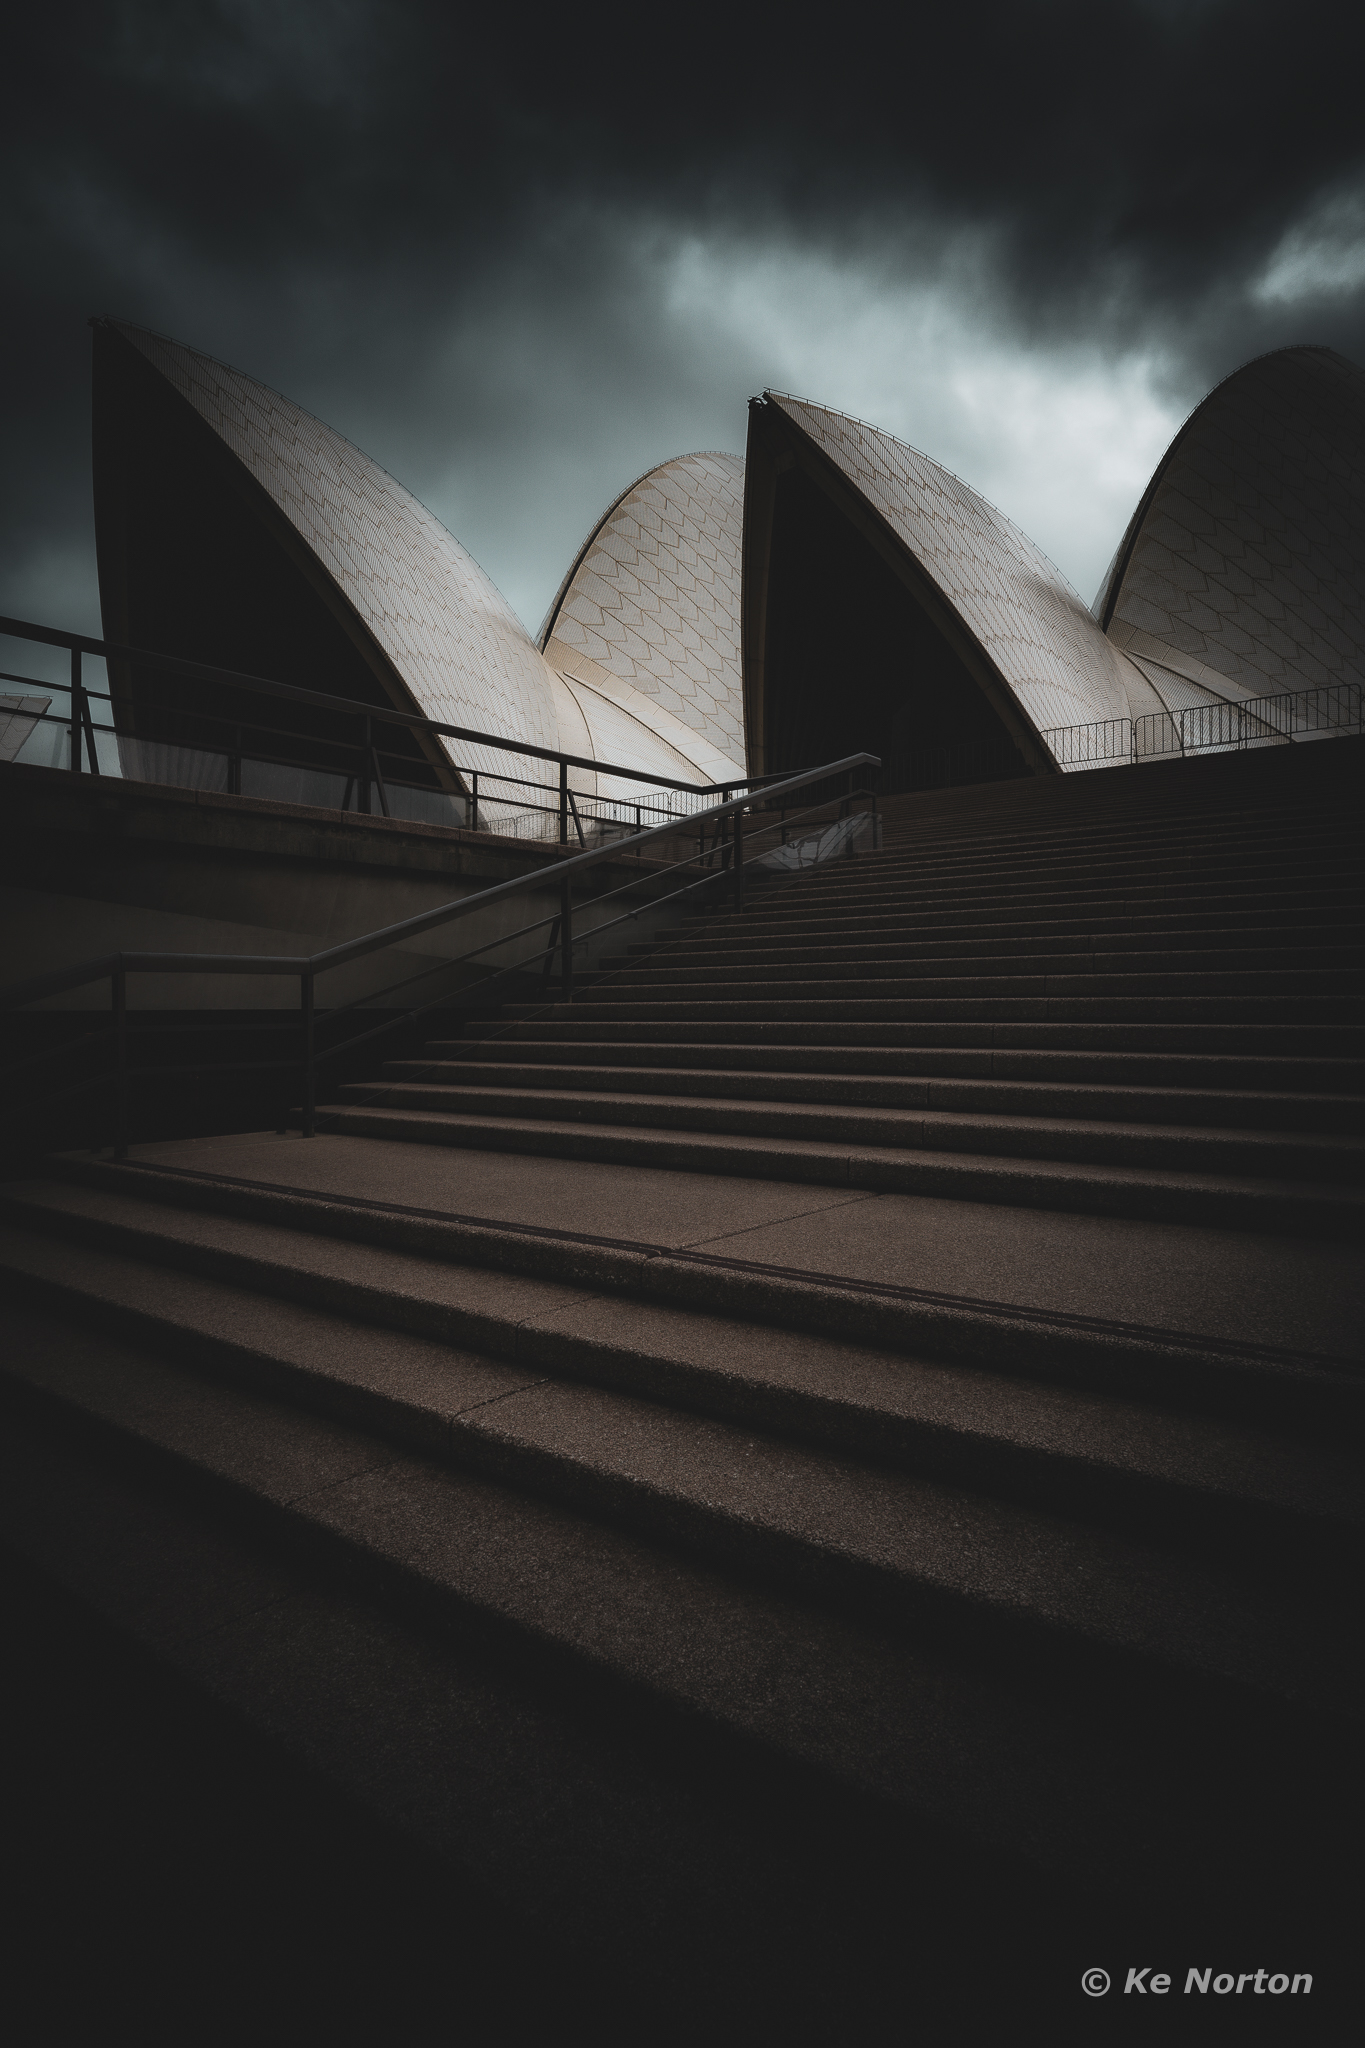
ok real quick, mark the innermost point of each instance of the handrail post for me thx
(362, 789)
(566, 939)
(551, 948)
(120, 996)
(88, 722)
(77, 709)
(474, 801)
(378, 769)
(563, 803)
(739, 860)
(309, 1059)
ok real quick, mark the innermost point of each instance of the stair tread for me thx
(1261, 1290)
(452, 1061)
(533, 1326)
(927, 1736)
(1003, 1166)
(879, 1124)
(832, 1525)
(837, 1059)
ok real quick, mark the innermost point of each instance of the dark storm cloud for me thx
(455, 232)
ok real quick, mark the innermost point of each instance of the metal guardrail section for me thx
(515, 806)
(1330, 709)
(724, 855)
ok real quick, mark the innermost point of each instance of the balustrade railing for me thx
(724, 859)
(190, 744)
(1328, 710)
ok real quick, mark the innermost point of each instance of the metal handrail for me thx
(116, 967)
(564, 801)
(1213, 727)
(79, 644)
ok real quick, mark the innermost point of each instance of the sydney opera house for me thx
(621, 1421)
(835, 590)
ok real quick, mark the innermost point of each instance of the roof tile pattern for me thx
(1247, 549)
(1040, 638)
(634, 731)
(453, 638)
(653, 597)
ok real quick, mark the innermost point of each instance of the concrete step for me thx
(830, 1025)
(1275, 871)
(989, 922)
(1331, 947)
(1184, 871)
(1255, 842)
(1331, 968)
(761, 905)
(1211, 1075)
(1058, 1779)
(1213, 859)
(1233, 1202)
(865, 896)
(989, 817)
(1212, 1482)
(991, 1002)
(1026, 1290)
(449, 1065)
(1013, 1584)
(1330, 1156)
(1179, 859)
(516, 1838)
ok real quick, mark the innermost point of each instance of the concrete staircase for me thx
(849, 1429)
(1120, 1006)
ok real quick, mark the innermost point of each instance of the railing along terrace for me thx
(1328, 709)
(724, 857)
(273, 761)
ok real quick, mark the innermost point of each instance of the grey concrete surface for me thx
(86, 872)
(411, 1388)
(639, 1204)
(1264, 1290)
(860, 1395)
(908, 1546)
(246, 1295)
(1044, 1770)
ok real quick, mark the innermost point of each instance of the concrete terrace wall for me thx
(97, 865)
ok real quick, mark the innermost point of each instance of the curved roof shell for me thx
(630, 730)
(1030, 629)
(438, 625)
(647, 621)
(1240, 571)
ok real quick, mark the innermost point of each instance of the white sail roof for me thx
(1032, 627)
(452, 637)
(649, 611)
(1241, 566)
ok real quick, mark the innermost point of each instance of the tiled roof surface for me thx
(1041, 639)
(450, 634)
(1247, 551)
(653, 598)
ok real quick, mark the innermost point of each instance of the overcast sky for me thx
(521, 254)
